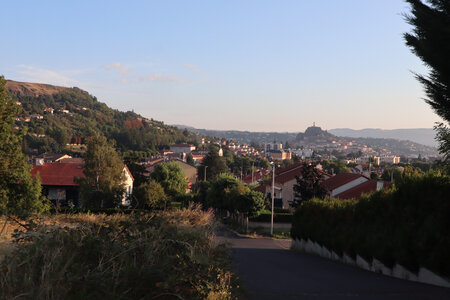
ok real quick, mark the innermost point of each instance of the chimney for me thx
(380, 185)
(39, 161)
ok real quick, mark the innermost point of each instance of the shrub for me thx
(408, 224)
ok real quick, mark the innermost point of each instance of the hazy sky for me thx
(246, 65)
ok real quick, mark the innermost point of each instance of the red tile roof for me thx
(340, 179)
(58, 174)
(363, 188)
(286, 169)
(256, 176)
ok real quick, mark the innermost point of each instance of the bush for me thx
(140, 256)
(265, 216)
(408, 224)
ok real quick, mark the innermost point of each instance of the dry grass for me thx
(166, 255)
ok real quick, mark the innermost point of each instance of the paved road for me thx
(269, 270)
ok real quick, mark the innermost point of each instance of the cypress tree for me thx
(430, 41)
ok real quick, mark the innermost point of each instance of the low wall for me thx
(424, 275)
(267, 225)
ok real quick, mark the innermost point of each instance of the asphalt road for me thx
(269, 270)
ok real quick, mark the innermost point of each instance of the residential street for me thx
(269, 270)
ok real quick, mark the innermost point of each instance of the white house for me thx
(179, 148)
(128, 184)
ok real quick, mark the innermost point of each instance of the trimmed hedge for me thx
(277, 217)
(408, 224)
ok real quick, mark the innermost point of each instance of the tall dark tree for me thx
(214, 166)
(20, 194)
(308, 186)
(430, 41)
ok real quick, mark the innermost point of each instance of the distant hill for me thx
(424, 136)
(58, 116)
(247, 137)
(316, 134)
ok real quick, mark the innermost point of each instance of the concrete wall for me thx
(424, 275)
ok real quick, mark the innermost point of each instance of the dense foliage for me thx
(103, 185)
(408, 225)
(166, 256)
(20, 194)
(213, 165)
(77, 116)
(228, 194)
(430, 41)
(149, 195)
(171, 177)
(308, 186)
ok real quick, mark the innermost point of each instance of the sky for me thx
(242, 65)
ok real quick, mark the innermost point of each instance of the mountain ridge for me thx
(424, 136)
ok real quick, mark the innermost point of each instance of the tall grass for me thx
(167, 255)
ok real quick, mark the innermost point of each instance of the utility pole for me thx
(273, 197)
(253, 166)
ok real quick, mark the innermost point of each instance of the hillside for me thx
(32, 89)
(425, 136)
(62, 119)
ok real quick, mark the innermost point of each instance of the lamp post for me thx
(273, 196)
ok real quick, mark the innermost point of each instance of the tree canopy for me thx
(171, 177)
(213, 164)
(308, 186)
(150, 195)
(430, 41)
(229, 194)
(20, 194)
(103, 185)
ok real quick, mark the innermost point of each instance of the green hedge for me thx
(277, 217)
(408, 224)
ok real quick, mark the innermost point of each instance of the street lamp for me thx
(273, 196)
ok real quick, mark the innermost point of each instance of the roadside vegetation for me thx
(166, 255)
(407, 224)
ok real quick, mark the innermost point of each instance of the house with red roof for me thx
(352, 186)
(59, 184)
(369, 186)
(58, 181)
(343, 182)
(285, 179)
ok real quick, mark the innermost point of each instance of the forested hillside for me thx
(62, 119)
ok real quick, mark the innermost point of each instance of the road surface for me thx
(269, 270)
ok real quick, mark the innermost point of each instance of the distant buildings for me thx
(179, 148)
